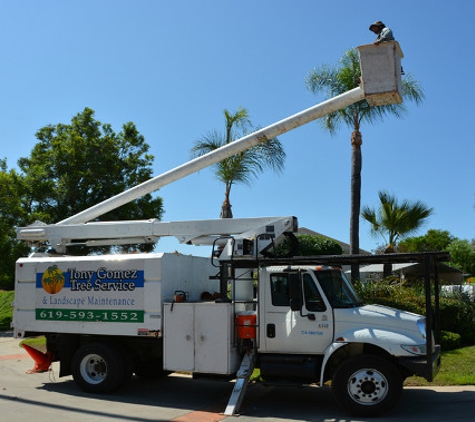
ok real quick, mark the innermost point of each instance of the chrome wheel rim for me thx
(368, 386)
(93, 369)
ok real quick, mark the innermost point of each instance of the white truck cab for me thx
(313, 328)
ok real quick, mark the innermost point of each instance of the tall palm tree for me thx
(393, 220)
(336, 80)
(242, 167)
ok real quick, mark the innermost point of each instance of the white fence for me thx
(467, 289)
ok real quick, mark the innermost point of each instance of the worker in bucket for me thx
(383, 34)
(382, 31)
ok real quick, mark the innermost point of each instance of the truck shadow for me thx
(318, 405)
(276, 402)
(179, 392)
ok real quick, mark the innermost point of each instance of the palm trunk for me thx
(387, 270)
(388, 267)
(356, 164)
(226, 211)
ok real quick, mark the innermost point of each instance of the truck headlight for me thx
(421, 325)
(415, 349)
(419, 349)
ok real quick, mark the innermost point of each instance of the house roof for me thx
(416, 267)
(378, 268)
(447, 274)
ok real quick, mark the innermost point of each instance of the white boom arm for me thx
(217, 155)
(196, 232)
(380, 84)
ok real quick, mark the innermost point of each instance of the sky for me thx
(173, 66)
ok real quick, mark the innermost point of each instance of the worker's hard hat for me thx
(377, 23)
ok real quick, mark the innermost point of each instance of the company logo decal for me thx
(52, 280)
(109, 293)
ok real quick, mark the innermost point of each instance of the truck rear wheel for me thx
(98, 368)
(367, 385)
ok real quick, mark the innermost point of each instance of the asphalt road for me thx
(45, 397)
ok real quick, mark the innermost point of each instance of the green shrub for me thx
(309, 245)
(450, 341)
(457, 313)
(6, 311)
(6, 282)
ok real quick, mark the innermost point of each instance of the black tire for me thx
(367, 385)
(98, 368)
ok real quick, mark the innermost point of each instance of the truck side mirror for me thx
(296, 296)
(295, 286)
(296, 304)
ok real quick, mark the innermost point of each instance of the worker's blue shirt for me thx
(385, 35)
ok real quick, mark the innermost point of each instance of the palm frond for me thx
(331, 81)
(324, 79)
(208, 143)
(412, 90)
(245, 166)
(394, 220)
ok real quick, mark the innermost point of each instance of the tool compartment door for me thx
(178, 337)
(199, 337)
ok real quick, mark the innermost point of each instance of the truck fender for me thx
(326, 356)
(388, 340)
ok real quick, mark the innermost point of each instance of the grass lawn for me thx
(458, 368)
(38, 343)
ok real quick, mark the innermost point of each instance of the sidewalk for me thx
(11, 349)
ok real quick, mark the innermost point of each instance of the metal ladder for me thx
(242, 381)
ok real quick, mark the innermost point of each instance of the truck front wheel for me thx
(367, 385)
(98, 368)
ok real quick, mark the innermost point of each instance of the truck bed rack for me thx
(429, 260)
(395, 258)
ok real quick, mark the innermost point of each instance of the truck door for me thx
(307, 330)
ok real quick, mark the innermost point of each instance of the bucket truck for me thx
(107, 317)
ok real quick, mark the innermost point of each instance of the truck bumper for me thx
(426, 367)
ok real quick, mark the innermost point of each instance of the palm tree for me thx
(242, 167)
(393, 221)
(333, 81)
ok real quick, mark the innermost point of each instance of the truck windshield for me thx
(338, 290)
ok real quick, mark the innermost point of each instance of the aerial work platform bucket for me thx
(381, 72)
